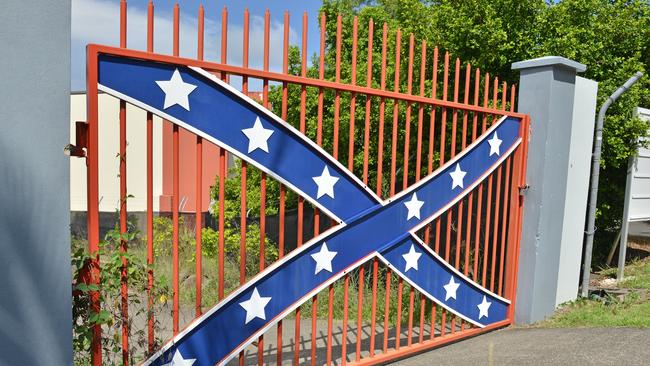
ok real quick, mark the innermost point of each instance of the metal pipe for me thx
(595, 172)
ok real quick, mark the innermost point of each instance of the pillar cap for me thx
(549, 61)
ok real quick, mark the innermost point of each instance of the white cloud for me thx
(97, 21)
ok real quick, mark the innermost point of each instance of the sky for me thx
(97, 21)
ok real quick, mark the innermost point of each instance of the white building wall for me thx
(109, 132)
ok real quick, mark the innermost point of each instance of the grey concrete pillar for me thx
(35, 279)
(562, 107)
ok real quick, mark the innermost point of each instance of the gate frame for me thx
(93, 51)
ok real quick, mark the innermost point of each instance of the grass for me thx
(609, 311)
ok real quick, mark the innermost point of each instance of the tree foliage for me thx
(612, 37)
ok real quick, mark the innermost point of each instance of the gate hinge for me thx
(81, 141)
(523, 189)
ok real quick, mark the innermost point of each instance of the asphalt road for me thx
(534, 346)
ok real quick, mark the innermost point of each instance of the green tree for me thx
(612, 37)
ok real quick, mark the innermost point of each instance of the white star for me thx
(258, 136)
(255, 306)
(451, 288)
(495, 143)
(483, 308)
(457, 177)
(414, 207)
(176, 91)
(325, 183)
(411, 259)
(323, 259)
(178, 360)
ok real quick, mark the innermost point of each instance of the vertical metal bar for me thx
(265, 103)
(504, 89)
(454, 118)
(418, 148)
(175, 189)
(409, 340)
(432, 119)
(366, 130)
(303, 101)
(477, 80)
(175, 259)
(512, 97)
(393, 158)
(150, 316)
(335, 154)
(496, 227)
(243, 222)
(486, 94)
(366, 152)
(504, 222)
(373, 308)
(346, 280)
(285, 96)
(337, 94)
(470, 200)
(393, 179)
(380, 153)
(443, 129)
(124, 290)
(92, 178)
(314, 311)
(386, 310)
(449, 217)
(319, 140)
(353, 96)
(344, 337)
(471, 194)
(454, 142)
(398, 322)
(459, 231)
(405, 185)
(418, 168)
(432, 130)
(243, 225)
(488, 205)
(330, 304)
(382, 105)
(222, 165)
(199, 185)
(407, 130)
(466, 101)
(495, 98)
(360, 284)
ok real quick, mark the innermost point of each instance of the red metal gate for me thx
(369, 316)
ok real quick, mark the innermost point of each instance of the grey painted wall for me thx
(35, 310)
(547, 94)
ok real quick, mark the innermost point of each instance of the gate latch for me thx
(81, 141)
(523, 189)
